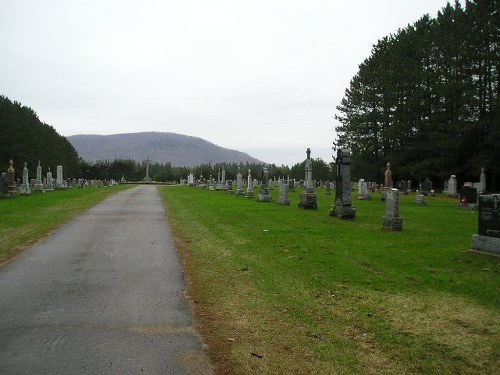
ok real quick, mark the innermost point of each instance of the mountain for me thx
(177, 149)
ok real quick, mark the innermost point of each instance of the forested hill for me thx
(176, 149)
(427, 99)
(24, 138)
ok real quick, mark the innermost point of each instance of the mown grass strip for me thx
(280, 290)
(26, 219)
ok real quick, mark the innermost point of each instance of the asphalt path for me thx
(103, 294)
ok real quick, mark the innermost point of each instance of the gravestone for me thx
(392, 220)
(402, 186)
(59, 177)
(49, 185)
(425, 187)
(308, 198)
(239, 183)
(343, 200)
(264, 190)
(283, 198)
(388, 176)
(468, 198)
(452, 187)
(482, 182)
(328, 188)
(38, 180)
(25, 186)
(249, 192)
(4, 186)
(420, 199)
(363, 191)
(11, 180)
(223, 179)
(488, 237)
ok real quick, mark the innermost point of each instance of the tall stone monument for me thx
(452, 187)
(308, 198)
(343, 200)
(283, 198)
(25, 187)
(50, 181)
(392, 220)
(239, 183)
(482, 182)
(249, 192)
(11, 179)
(388, 183)
(38, 181)
(264, 191)
(488, 237)
(59, 177)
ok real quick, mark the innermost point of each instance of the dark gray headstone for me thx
(488, 239)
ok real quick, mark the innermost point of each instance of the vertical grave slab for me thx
(308, 198)
(25, 187)
(249, 192)
(283, 198)
(343, 201)
(11, 180)
(239, 183)
(392, 220)
(264, 191)
(488, 237)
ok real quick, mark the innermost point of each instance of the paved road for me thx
(103, 294)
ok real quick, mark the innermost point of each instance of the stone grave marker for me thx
(11, 180)
(420, 199)
(249, 192)
(392, 220)
(38, 180)
(343, 201)
(264, 190)
(452, 187)
(482, 182)
(283, 198)
(488, 237)
(239, 183)
(4, 186)
(468, 198)
(25, 186)
(308, 198)
(59, 177)
(50, 182)
(425, 187)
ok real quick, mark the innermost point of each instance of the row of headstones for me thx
(9, 185)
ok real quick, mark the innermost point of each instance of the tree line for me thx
(427, 99)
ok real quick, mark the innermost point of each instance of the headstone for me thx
(59, 177)
(38, 181)
(468, 198)
(488, 237)
(408, 186)
(25, 186)
(308, 198)
(452, 187)
(264, 190)
(239, 183)
(420, 199)
(392, 220)
(328, 188)
(402, 186)
(482, 182)
(50, 182)
(223, 178)
(283, 198)
(11, 180)
(249, 192)
(4, 186)
(388, 176)
(343, 201)
(425, 187)
(363, 191)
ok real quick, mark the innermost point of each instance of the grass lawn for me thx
(280, 290)
(26, 219)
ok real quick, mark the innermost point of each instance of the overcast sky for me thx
(262, 77)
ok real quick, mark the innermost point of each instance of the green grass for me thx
(26, 219)
(280, 290)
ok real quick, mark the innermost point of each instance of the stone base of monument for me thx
(344, 212)
(249, 194)
(284, 201)
(486, 244)
(240, 192)
(264, 198)
(393, 223)
(309, 201)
